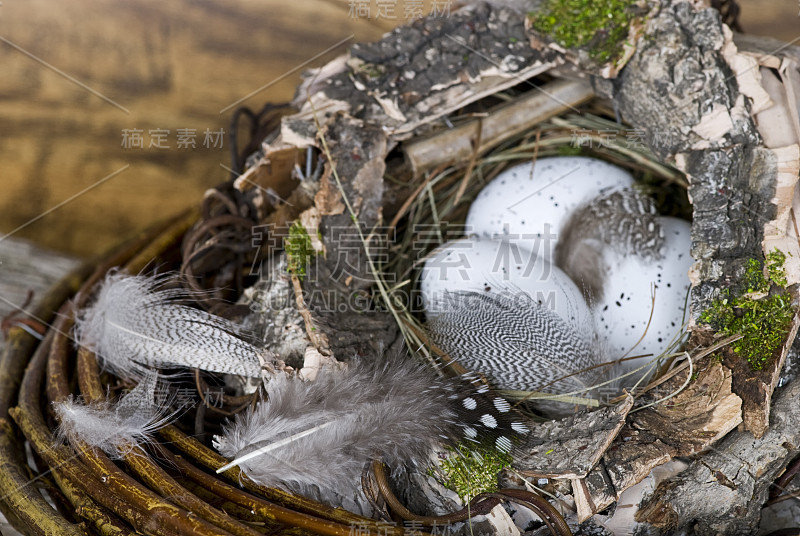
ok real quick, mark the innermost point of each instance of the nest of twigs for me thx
(435, 212)
(169, 486)
(169, 489)
(155, 487)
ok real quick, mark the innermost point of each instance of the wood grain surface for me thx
(74, 76)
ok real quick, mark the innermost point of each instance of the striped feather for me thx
(136, 323)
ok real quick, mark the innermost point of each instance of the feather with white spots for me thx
(315, 438)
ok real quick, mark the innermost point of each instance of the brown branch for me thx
(20, 502)
(317, 338)
(137, 460)
(210, 459)
(104, 521)
(500, 124)
(29, 418)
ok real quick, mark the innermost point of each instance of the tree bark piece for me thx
(696, 115)
(698, 416)
(626, 463)
(570, 447)
(431, 68)
(337, 281)
(702, 96)
(723, 492)
(685, 425)
(509, 120)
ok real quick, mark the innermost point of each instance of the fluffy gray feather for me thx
(115, 427)
(135, 323)
(393, 409)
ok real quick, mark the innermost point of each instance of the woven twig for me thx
(151, 492)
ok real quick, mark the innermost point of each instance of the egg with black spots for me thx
(529, 203)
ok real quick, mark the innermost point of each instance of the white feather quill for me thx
(135, 323)
(116, 427)
(314, 438)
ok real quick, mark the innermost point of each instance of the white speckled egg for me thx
(533, 208)
(472, 264)
(624, 309)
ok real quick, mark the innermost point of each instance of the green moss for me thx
(298, 250)
(471, 471)
(764, 322)
(599, 25)
(369, 70)
(754, 280)
(569, 150)
(775, 270)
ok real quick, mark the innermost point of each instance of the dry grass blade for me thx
(476, 144)
(677, 370)
(676, 391)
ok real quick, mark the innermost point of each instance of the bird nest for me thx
(399, 136)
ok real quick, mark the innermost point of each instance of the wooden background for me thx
(161, 65)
